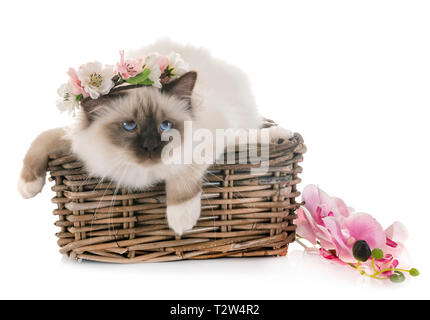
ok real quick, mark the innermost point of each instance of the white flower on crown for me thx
(151, 62)
(178, 65)
(67, 102)
(96, 78)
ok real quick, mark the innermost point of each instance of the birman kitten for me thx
(119, 136)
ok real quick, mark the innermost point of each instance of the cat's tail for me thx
(32, 177)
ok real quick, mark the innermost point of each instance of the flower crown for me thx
(93, 79)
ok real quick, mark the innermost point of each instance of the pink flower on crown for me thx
(76, 84)
(163, 62)
(129, 68)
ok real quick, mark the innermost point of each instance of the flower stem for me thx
(301, 243)
(373, 265)
(363, 273)
(391, 269)
(403, 270)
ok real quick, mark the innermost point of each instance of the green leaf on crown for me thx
(141, 78)
(147, 82)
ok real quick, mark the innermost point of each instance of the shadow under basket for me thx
(244, 214)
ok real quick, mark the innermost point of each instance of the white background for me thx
(352, 77)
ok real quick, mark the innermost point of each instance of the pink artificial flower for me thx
(328, 221)
(76, 84)
(163, 62)
(396, 235)
(387, 262)
(395, 253)
(359, 226)
(311, 217)
(397, 232)
(129, 68)
(331, 256)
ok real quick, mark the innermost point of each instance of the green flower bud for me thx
(361, 251)
(397, 277)
(377, 254)
(414, 272)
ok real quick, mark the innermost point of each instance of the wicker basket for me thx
(243, 215)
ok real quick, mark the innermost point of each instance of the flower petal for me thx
(314, 198)
(362, 226)
(320, 204)
(397, 232)
(330, 256)
(340, 238)
(304, 226)
(401, 254)
(342, 207)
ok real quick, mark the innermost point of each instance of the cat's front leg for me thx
(183, 193)
(32, 177)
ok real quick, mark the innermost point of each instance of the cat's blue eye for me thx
(129, 125)
(165, 125)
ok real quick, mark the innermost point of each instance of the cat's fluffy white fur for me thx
(223, 90)
(223, 99)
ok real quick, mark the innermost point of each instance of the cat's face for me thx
(131, 123)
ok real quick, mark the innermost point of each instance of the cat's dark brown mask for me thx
(133, 120)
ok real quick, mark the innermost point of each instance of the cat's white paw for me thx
(278, 134)
(183, 217)
(30, 189)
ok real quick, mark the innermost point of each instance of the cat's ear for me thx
(183, 86)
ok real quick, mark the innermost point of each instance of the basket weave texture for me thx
(243, 214)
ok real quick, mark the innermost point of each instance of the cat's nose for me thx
(151, 144)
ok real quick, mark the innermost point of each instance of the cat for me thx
(118, 136)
